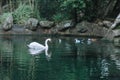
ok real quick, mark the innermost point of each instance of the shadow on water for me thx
(69, 58)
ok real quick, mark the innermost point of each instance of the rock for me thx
(46, 24)
(32, 24)
(64, 25)
(83, 26)
(83, 30)
(8, 23)
(18, 28)
(107, 24)
(90, 29)
(109, 35)
(116, 32)
(100, 23)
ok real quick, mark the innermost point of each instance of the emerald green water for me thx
(66, 60)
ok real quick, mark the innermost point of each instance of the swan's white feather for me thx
(35, 45)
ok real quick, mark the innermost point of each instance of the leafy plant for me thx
(22, 13)
(79, 4)
(4, 16)
(59, 17)
(73, 7)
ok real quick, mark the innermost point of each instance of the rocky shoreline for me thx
(33, 25)
(84, 29)
(67, 27)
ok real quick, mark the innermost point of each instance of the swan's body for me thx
(39, 51)
(35, 45)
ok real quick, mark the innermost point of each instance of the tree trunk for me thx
(0, 7)
(74, 16)
(109, 8)
(116, 9)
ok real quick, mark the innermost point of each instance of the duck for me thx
(77, 40)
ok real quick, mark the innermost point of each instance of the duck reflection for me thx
(104, 68)
(59, 41)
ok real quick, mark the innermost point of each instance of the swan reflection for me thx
(39, 51)
(48, 55)
(35, 52)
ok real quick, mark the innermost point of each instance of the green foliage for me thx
(4, 16)
(36, 13)
(56, 9)
(48, 8)
(90, 10)
(73, 7)
(60, 17)
(22, 13)
(79, 4)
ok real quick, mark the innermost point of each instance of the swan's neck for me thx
(46, 45)
(46, 51)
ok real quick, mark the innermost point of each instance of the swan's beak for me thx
(50, 40)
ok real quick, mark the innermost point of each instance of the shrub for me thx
(22, 13)
(4, 16)
(60, 17)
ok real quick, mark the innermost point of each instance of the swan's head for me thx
(49, 39)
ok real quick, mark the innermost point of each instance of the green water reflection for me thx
(70, 59)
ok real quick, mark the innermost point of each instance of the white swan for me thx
(37, 46)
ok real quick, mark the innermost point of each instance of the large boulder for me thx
(32, 24)
(83, 27)
(8, 23)
(90, 29)
(64, 25)
(46, 24)
(116, 32)
(107, 24)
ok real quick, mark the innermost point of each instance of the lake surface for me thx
(68, 58)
